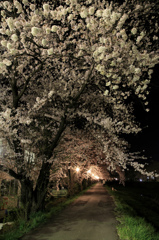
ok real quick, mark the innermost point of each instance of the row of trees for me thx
(67, 65)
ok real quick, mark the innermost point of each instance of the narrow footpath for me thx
(90, 217)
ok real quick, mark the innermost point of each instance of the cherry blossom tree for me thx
(69, 60)
(77, 155)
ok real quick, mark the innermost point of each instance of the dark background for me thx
(147, 141)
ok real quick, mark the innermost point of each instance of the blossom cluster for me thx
(69, 55)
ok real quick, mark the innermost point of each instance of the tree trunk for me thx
(0, 186)
(27, 194)
(42, 185)
(18, 194)
(70, 183)
(33, 200)
(81, 184)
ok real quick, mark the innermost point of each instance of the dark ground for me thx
(143, 197)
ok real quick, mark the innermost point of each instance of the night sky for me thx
(148, 139)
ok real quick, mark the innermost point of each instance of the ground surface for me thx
(143, 197)
(90, 217)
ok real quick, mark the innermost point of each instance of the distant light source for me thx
(89, 171)
(116, 179)
(77, 169)
(140, 179)
(96, 177)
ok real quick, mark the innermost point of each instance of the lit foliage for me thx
(79, 151)
(73, 59)
(93, 156)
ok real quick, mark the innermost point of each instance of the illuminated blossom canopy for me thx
(73, 60)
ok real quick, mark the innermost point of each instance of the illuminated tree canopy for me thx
(66, 61)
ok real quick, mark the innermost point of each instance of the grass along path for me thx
(131, 226)
(21, 226)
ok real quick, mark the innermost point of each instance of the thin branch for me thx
(63, 123)
(27, 82)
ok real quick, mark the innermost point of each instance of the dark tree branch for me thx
(14, 174)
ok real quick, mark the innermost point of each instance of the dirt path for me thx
(90, 217)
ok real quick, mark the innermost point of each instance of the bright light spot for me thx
(77, 169)
(89, 171)
(116, 179)
(96, 177)
(93, 175)
(140, 180)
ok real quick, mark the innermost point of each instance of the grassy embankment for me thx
(21, 226)
(137, 210)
